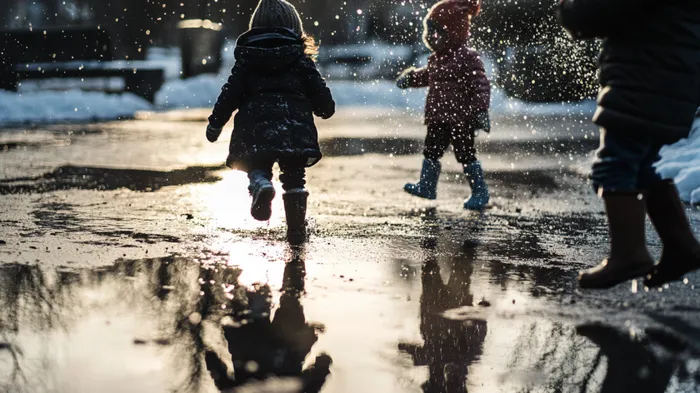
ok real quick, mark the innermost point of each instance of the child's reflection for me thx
(262, 348)
(449, 346)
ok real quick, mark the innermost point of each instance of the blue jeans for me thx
(625, 161)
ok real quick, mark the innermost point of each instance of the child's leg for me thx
(622, 159)
(292, 176)
(261, 189)
(436, 143)
(293, 173)
(463, 138)
(681, 252)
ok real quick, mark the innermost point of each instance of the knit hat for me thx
(277, 13)
(455, 17)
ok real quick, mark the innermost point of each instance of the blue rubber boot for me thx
(480, 191)
(427, 185)
(263, 193)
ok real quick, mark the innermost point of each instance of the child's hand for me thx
(404, 80)
(213, 133)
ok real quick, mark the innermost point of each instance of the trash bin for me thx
(201, 42)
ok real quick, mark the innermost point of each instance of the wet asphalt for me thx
(129, 263)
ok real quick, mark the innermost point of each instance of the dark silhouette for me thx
(262, 348)
(70, 177)
(449, 346)
(632, 365)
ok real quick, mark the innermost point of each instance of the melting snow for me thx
(682, 163)
(73, 105)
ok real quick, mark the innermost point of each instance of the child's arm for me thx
(230, 99)
(413, 77)
(319, 94)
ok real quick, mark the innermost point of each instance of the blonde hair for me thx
(310, 46)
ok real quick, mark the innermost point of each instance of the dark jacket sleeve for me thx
(230, 99)
(319, 94)
(586, 19)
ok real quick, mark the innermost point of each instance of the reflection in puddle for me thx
(270, 349)
(150, 325)
(240, 316)
(474, 339)
(450, 346)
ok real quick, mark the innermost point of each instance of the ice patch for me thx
(681, 162)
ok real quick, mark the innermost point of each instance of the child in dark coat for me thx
(276, 89)
(650, 90)
(458, 101)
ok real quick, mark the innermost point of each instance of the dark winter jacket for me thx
(276, 89)
(458, 88)
(650, 62)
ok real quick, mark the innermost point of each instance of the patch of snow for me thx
(203, 90)
(165, 58)
(197, 92)
(72, 105)
(681, 162)
(376, 94)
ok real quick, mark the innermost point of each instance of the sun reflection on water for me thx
(227, 203)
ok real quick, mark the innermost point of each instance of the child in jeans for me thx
(276, 89)
(458, 98)
(650, 90)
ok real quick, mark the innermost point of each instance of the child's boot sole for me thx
(604, 277)
(672, 269)
(261, 209)
(414, 190)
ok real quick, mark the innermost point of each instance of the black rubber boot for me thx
(295, 210)
(263, 193)
(629, 257)
(681, 254)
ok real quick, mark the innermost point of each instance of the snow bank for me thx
(202, 91)
(73, 105)
(198, 92)
(381, 94)
(681, 162)
(37, 105)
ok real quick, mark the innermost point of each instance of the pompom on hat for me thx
(455, 17)
(277, 13)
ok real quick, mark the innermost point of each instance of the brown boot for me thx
(295, 209)
(681, 253)
(629, 257)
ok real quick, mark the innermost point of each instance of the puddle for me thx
(440, 314)
(106, 179)
(391, 295)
